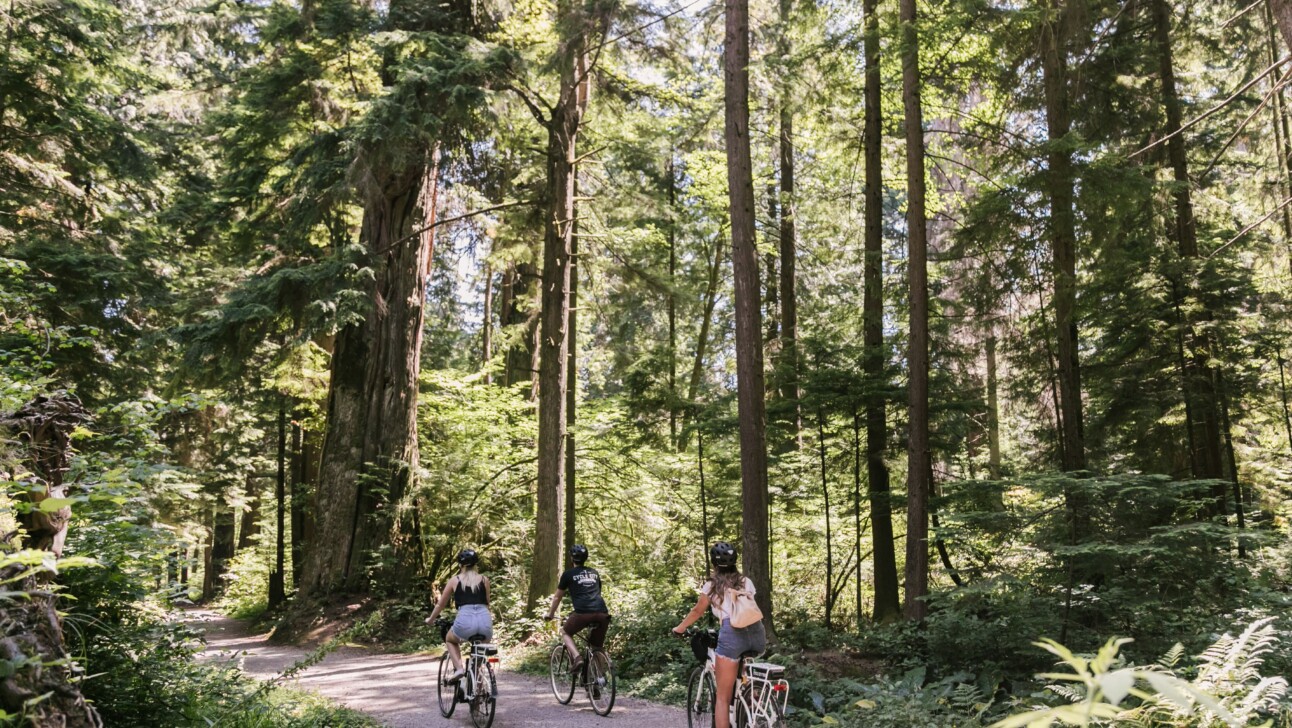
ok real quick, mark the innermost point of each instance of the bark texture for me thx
(789, 324)
(1199, 378)
(1282, 10)
(887, 603)
(370, 449)
(1060, 183)
(563, 127)
(750, 382)
(41, 670)
(918, 458)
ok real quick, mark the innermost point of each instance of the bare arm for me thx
(692, 616)
(443, 601)
(557, 596)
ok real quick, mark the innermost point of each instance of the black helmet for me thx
(468, 557)
(579, 553)
(723, 554)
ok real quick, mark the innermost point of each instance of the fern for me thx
(1229, 689)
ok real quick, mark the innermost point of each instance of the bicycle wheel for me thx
(448, 691)
(700, 695)
(601, 683)
(561, 675)
(743, 719)
(485, 700)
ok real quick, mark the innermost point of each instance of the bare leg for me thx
(570, 647)
(726, 669)
(451, 643)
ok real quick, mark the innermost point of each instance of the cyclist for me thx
(470, 592)
(732, 642)
(583, 584)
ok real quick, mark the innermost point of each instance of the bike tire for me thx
(743, 718)
(562, 677)
(601, 684)
(448, 692)
(484, 703)
(701, 696)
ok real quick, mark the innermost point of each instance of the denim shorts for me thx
(473, 620)
(733, 642)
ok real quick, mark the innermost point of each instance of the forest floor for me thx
(400, 689)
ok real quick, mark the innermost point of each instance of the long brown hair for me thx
(723, 579)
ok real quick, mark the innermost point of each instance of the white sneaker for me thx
(455, 676)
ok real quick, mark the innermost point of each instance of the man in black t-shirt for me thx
(583, 584)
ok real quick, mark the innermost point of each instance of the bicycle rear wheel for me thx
(601, 683)
(701, 693)
(561, 676)
(448, 691)
(485, 700)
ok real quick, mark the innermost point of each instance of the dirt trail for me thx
(400, 690)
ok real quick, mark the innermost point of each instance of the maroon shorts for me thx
(598, 621)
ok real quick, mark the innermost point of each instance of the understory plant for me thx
(1223, 687)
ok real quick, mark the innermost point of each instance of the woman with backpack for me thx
(726, 593)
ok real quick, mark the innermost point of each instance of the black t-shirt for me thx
(584, 587)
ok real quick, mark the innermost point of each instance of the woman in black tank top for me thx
(470, 592)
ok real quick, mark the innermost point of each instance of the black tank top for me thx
(463, 596)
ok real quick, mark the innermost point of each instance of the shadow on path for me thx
(400, 690)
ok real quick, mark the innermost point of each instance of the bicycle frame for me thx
(481, 652)
(761, 690)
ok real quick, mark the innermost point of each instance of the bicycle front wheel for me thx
(485, 700)
(561, 675)
(701, 694)
(601, 683)
(448, 691)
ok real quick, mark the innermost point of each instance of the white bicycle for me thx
(760, 696)
(477, 687)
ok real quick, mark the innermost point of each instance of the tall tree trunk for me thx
(249, 523)
(278, 577)
(302, 468)
(222, 550)
(993, 407)
(1282, 10)
(704, 501)
(889, 613)
(486, 325)
(887, 606)
(520, 323)
(829, 536)
(1232, 457)
(751, 390)
(790, 365)
(918, 458)
(572, 377)
(1283, 393)
(562, 136)
(672, 306)
(369, 456)
(702, 342)
(1282, 134)
(1199, 385)
(1060, 182)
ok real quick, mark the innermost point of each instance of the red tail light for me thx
(493, 660)
(781, 688)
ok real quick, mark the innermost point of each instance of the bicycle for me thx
(597, 675)
(759, 697)
(477, 686)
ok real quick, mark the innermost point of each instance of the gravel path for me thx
(400, 690)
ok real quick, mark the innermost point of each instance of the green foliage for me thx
(1226, 687)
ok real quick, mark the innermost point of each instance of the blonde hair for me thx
(470, 578)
